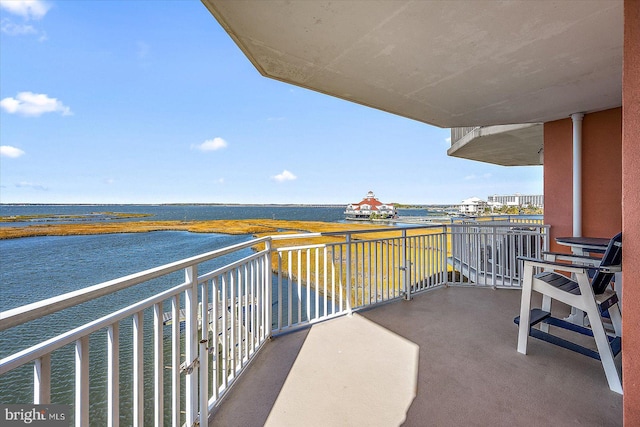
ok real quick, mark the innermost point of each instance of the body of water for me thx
(178, 212)
(36, 268)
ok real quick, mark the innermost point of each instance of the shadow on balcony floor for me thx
(454, 349)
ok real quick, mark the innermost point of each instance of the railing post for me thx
(268, 294)
(42, 380)
(138, 369)
(545, 237)
(113, 375)
(203, 354)
(406, 268)
(348, 267)
(450, 239)
(82, 382)
(444, 265)
(494, 258)
(175, 362)
(158, 366)
(191, 344)
(204, 383)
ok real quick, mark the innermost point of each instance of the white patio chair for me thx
(593, 296)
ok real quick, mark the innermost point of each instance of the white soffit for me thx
(446, 63)
(506, 145)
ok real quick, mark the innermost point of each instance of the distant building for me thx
(520, 200)
(472, 206)
(370, 208)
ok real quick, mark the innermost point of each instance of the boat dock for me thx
(422, 219)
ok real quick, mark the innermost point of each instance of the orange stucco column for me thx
(631, 213)
(601, 176)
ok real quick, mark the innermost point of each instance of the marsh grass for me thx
(65, 217)
(370, 259)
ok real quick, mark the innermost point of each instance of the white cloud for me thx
(9, 151)
(211, 145)
(25, 184)
(109, 181)
(12, 29)
(448, 140)
(33, 105)
(219, 181)
(27, 9)
(285, 176)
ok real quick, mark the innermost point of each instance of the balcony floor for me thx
(448, 357)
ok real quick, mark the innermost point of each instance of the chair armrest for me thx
(553, 265)
(572, 268)
(611, 269)
(581, 259)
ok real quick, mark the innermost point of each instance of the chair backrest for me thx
(611, 257)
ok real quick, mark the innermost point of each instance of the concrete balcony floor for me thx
(446, 358)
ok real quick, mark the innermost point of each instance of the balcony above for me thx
(506, 145)
(447, 357)
(443, 63)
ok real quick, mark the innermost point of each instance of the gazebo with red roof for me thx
(370, 208)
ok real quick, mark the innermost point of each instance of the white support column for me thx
(577, 173)
(577, 316)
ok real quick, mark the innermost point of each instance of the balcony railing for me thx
(488, 254)
(206, 329)
(458, 133)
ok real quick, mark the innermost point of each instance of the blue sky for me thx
(152, 102)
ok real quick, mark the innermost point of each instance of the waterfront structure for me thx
(370, 208)
(472, 206)
(519, 200)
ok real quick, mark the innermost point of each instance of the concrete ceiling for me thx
(506, 145)
(446, 63)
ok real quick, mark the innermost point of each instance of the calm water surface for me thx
(35, 268)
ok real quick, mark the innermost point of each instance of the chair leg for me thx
(604, 349)
(525, 309)
(546, 306)
(616, 319)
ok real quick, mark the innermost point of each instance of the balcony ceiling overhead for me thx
(506, 145)
(446, 63)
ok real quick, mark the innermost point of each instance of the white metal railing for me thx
(458, 133)
(206, 329)
(487, 253)
(357, 272)
(203, 361)
(497, 219)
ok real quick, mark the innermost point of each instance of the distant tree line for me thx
(515, 210)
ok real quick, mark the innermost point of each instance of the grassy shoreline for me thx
(239, 226)
(255, 227)
(105, 216)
